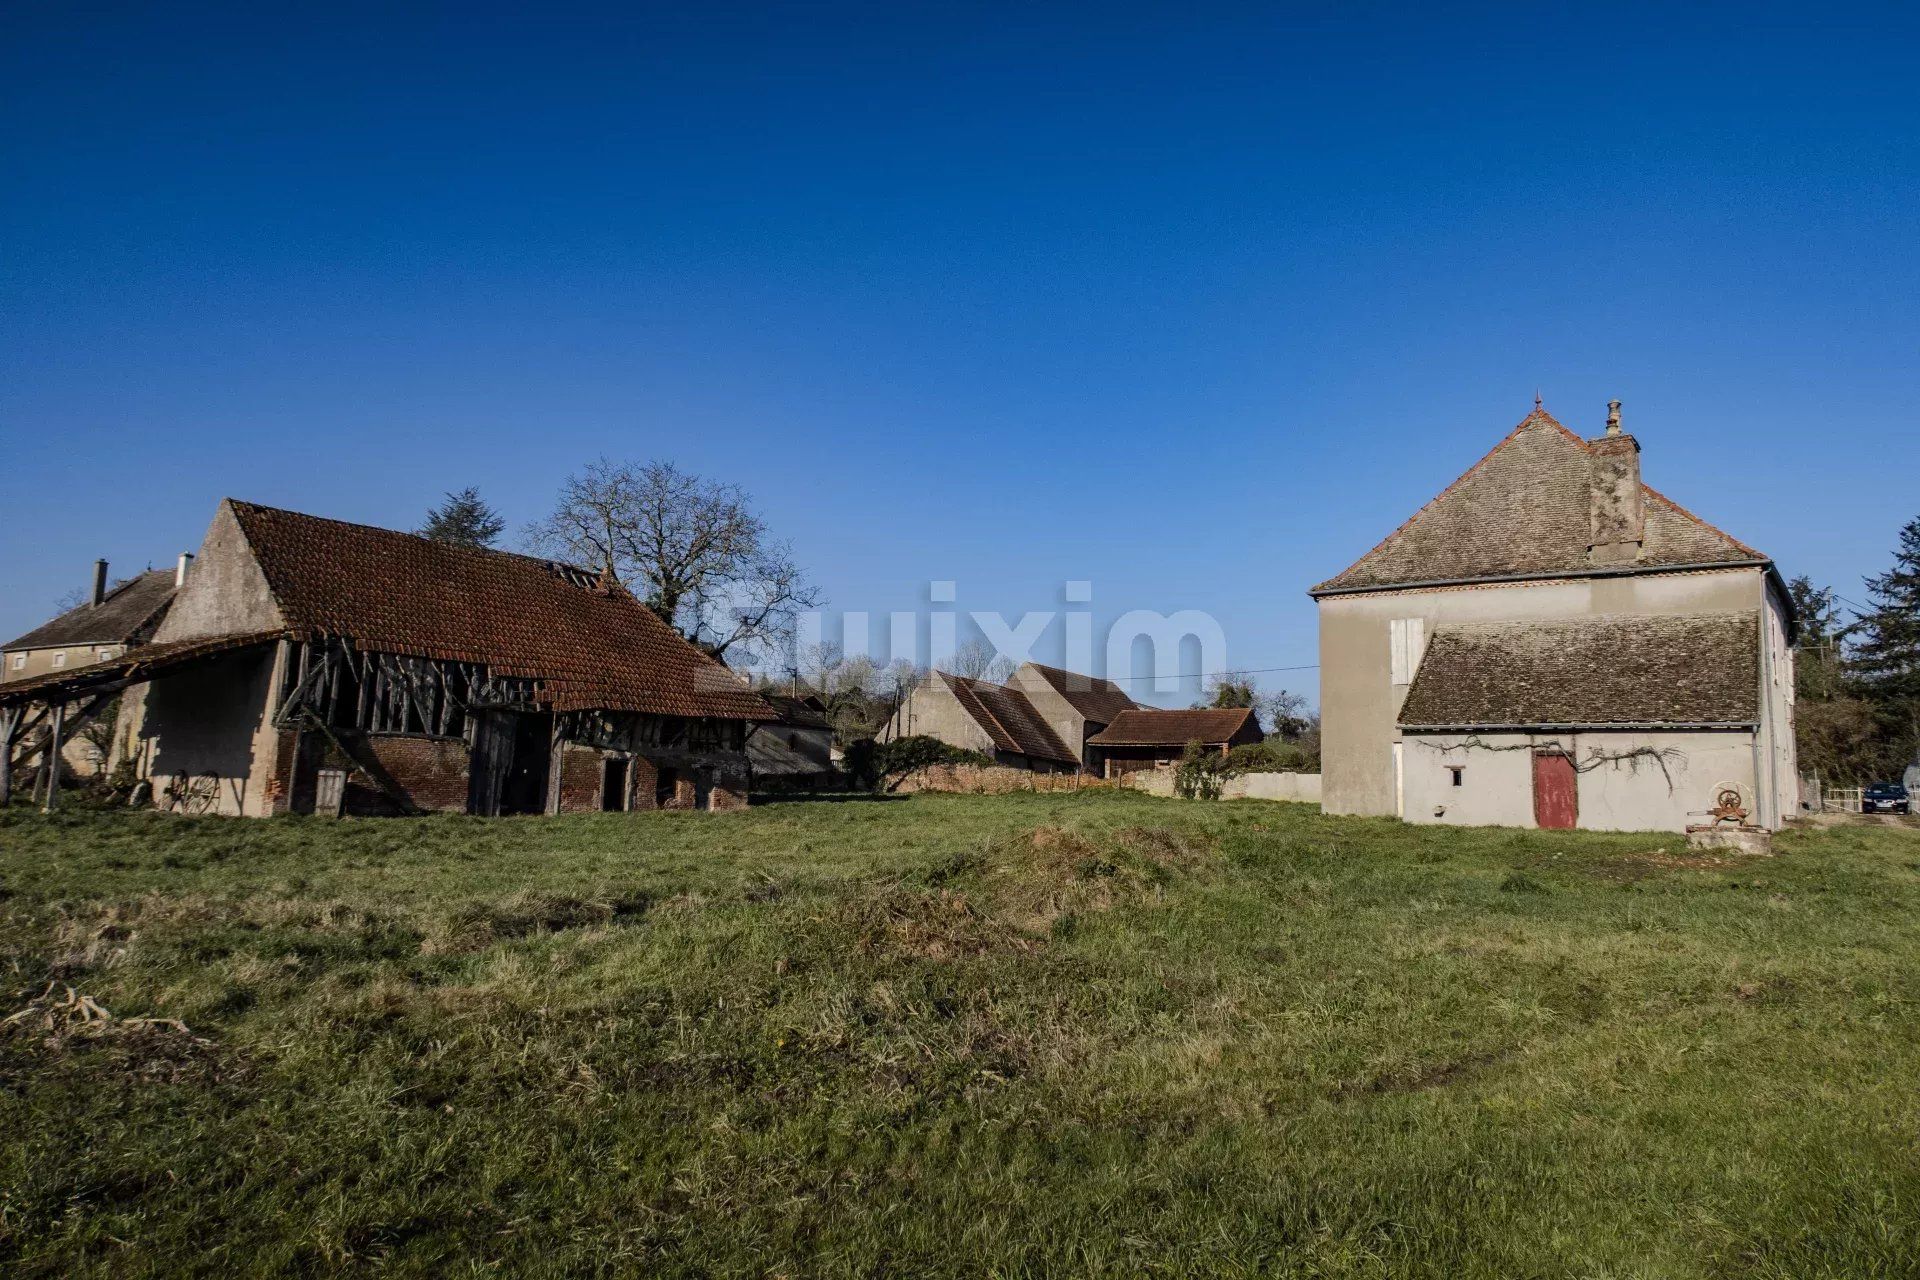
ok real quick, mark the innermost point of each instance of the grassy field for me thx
(1016, 1036)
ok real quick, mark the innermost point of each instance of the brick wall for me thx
(644, 779)
(432, 772)
(580, 778)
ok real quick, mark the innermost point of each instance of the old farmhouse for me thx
(112, 620)
(309, 665)
(1552, 642)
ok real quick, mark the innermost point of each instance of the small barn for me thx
(795, 750)
(1149, 739)
(309, 665)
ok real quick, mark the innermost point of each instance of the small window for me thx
(1459, 774)
(60, 658)
(108, 651)
(19, 662)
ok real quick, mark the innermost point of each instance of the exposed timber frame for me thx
(330, 683)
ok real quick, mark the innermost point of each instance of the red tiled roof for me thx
(1209, 726)
(136, 664)
(587, 649)
(1524, 509)
(1096, 699)
(1009, 719)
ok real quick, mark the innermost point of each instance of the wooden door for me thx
(487, 765)
(1556, 796)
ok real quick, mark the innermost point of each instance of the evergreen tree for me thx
(465, 519)
(1885, 652)
(1818, 664)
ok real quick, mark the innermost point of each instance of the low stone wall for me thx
(993, 780)
(1303, 787)
(983, 780)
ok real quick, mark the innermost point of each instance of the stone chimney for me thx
(180, 569)
(1617, 508)
(99, 581)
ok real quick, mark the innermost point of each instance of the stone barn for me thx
(310, 665)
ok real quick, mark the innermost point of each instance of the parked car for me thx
(1885, 797)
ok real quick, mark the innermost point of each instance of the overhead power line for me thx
(1208, 675)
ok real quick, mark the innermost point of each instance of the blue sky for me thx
(1196, 304)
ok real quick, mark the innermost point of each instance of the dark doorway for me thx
(525, 790)
(1556, 793)
(507, 771)
(703, 788)
(666, 786)
(613, 784)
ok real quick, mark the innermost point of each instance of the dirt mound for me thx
(61, 1023)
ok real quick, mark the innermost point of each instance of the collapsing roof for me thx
(588, 645)
(1012, 721)
(1525, 510)
(1208, 726)
(1696, 669)
(126, 611)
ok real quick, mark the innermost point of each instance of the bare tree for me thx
(977, 659)
(692, 549)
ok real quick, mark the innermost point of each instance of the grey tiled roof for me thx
(127, 614)
(1523, 509)
(1613, 669)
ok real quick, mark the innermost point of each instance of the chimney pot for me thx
(99, 581)
(1613, 417)
(180, 569)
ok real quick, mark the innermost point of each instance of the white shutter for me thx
(1407, 638)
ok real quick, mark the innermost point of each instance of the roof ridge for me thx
(1708, 525)
(1509, 438)
(457, 548)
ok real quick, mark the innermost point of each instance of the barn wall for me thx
(932, 710)
(431, 772)
(199, 733)
(580, 778)
(1634, 794)
(1061, 716)
(1360, 704)
(225, 592)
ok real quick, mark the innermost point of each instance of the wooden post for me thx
(52, 801)
(9, 721)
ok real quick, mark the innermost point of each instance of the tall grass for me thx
(1027, 1035)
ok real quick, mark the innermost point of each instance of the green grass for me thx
(1034, 1035)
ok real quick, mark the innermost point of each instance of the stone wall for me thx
(988, 780)
(1300, 787)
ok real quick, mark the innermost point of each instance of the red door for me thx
(1556, 800)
